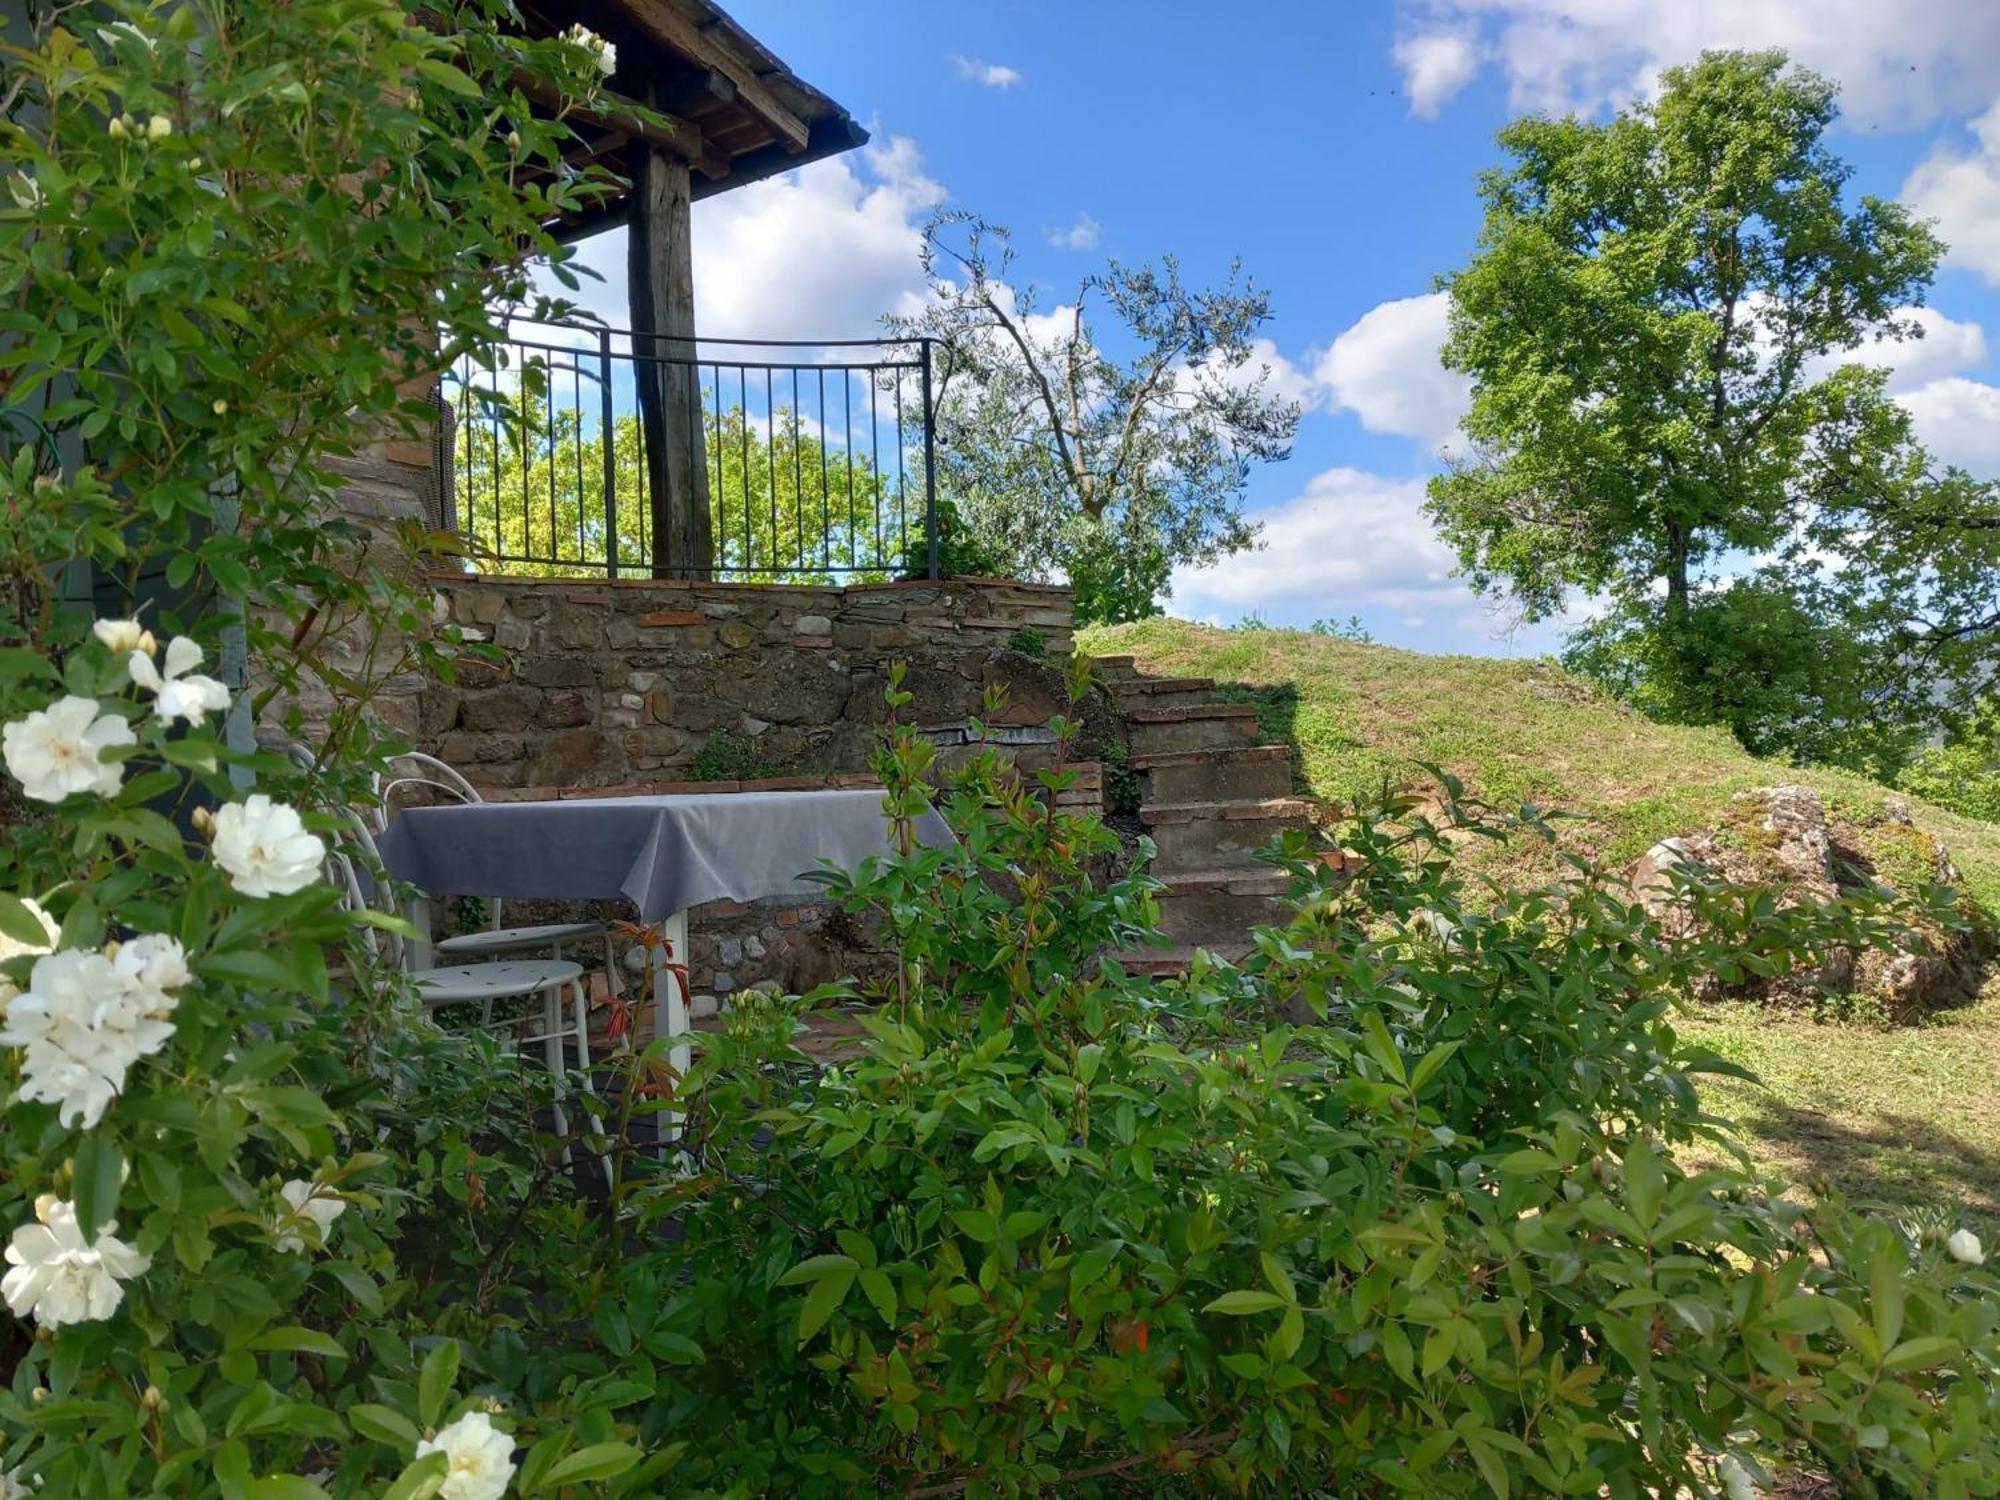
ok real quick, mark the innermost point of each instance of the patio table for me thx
(664, 853)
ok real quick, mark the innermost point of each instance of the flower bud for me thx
(122, 636)
(159, 128)
(152, 1399)
(513, 140)
(204, 822)
(117, 129)
(220, 407)
(39, 1394)
(1964, 1246)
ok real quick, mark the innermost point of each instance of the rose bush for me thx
(234, 238)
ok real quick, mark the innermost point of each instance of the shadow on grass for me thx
(1892, 1161)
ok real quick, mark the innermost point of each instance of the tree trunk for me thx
(1678, 540)
(661, 287)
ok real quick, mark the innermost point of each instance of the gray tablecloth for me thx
(664, 853)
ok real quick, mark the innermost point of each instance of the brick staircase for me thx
(1211, 795)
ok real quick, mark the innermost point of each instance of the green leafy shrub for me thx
(1028, 642)
(1059, 1228)
(1122, 792)
(1962, 774)
(1349, 629)
(729, 756)
(236, 1154)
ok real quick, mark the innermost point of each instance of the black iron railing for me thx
(574, 451)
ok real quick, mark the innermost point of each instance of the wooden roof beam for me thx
(660, 19)
(682, 137)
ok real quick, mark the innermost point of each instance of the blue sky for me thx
(1334, 147)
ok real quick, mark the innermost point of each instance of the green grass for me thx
(1904, 1118)
(1909, 1119)
(1516, 731)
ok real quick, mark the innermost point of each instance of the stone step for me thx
(1195, 726)
(1145, 692)
(1216, 909)
(1215, 775)
(1194, 836)
(1160, 963)
(1113, 669)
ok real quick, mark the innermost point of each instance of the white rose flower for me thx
(86, 1018)
(55, 1276)
(1964, 1246)
(54, 752)
(179, 692)
(480, 1458)
(159, 128)
(152, 964)
(124, 636)
(1736, 1479)
(307, 1202)
(606, 52)
(265, 848)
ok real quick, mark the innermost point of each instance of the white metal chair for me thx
(554, 989)
(418, 771)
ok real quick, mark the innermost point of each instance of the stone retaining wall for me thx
(608, 683)
(634, 686)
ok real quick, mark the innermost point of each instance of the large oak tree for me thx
(1662, 323)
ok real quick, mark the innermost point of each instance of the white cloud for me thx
(1958, 420)
(1082, 235)
(988, 75)
(1354, 541)
(1385, 369)
(1282, 378)
(1960, 188)
(822, 252)
(1946, 347)
(1436, 65)
(1899, 62)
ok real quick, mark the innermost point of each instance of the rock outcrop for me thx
(1781, 838)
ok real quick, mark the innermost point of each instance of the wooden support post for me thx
(660, 280)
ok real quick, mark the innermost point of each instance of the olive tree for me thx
(1109, 439)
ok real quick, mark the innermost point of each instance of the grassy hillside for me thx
(1516, 731)
(1909, 1119)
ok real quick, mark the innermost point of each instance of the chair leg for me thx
(580, 999)
(552, 1055)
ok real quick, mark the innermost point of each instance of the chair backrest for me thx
(354, 868)
(411, 772)
(416, 771)
(428, 769)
